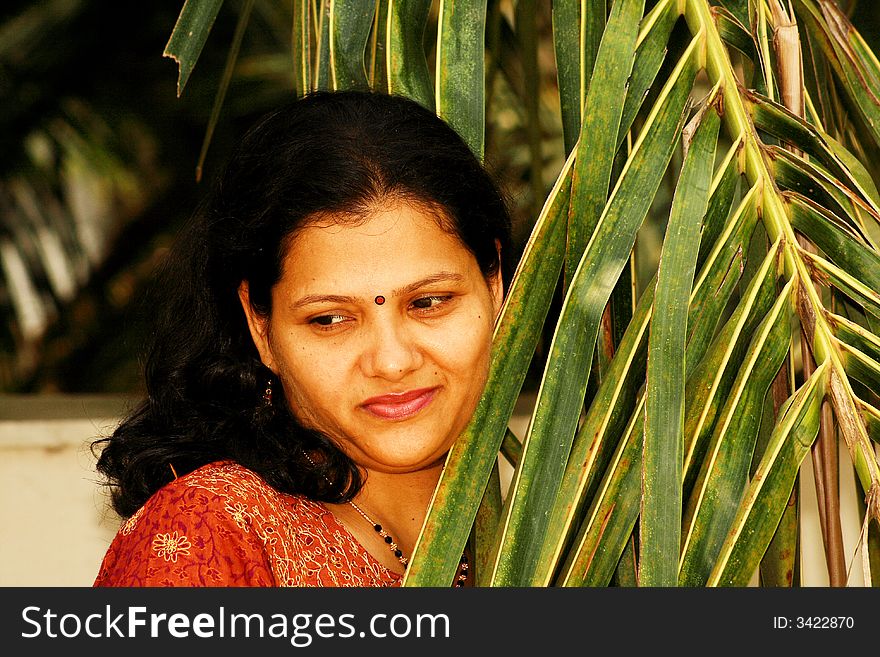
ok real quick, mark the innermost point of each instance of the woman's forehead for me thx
(392, 205)
(393, 246)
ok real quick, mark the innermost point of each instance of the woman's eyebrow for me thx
(440, 277)
(318, 298)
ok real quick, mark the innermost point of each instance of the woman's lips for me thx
(401, 405)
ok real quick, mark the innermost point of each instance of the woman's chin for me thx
(401, 461)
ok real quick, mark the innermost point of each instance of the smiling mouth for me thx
(399, 406)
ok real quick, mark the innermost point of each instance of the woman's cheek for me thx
(467, 343)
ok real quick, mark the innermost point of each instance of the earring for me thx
(267, 393)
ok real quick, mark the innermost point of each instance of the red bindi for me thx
(379, 300)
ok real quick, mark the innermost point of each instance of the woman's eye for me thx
(426, 303)
(325, 321)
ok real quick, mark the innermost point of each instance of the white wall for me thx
(54, 520)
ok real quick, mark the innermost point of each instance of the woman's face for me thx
(380, 332)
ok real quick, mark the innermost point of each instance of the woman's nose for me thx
(391, 351)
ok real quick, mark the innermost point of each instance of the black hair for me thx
(329, 153)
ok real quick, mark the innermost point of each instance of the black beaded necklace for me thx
(388, 539)
(463, 565)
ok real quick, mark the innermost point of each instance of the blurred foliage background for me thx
(100, 154)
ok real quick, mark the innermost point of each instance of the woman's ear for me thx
(258, 326)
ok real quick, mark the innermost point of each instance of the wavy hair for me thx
(334, 154)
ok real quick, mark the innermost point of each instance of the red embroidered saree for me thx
(221, 525)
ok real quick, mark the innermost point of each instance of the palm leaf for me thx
(767, 496)
(349, 29)
(406, 67)
(724, 469)
(601, 122)
(459, 79)
(190, 33)
(661, 512)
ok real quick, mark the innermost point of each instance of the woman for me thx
(323, 336)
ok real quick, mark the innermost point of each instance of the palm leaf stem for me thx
(301, 47)
(226, 78)
(824, 451)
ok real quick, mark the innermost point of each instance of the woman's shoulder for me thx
(244, 494)
(220, 482)
(212, 491)
(200, 529)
